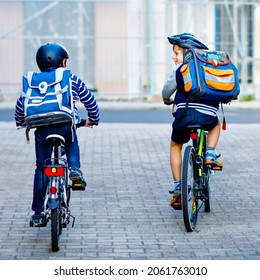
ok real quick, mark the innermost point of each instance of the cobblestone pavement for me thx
(125, 213)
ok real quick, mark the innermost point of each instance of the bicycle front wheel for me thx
(55, 229)
(188, 181)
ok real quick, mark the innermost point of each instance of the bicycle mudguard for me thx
(53, 203)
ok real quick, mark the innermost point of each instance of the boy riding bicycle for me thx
(197, 112)
(49, 57)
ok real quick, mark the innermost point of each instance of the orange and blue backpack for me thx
(209, 75)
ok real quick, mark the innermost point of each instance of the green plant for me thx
(247, 97)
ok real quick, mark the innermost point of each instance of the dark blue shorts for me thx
(180, 134)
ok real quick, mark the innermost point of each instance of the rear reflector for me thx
(54, 171)
(194, 135)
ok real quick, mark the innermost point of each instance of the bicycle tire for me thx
(206, 191)
(188, 180)
(55, 229)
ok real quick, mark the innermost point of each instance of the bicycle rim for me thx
(189, 201)
(55, 229)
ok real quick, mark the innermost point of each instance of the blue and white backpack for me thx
(47, 98)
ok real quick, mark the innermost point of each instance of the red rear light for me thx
(194, 135)
(54, 171)
(53, 190)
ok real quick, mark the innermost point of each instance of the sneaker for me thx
(38, 220)
(176, 198)
(213, 161)
(75, 174)
(77, 178)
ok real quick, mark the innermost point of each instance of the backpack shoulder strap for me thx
(63, 77)
(28, 76)
(59, 73)
(26, 83)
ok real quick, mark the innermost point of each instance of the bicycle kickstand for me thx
(73, 219)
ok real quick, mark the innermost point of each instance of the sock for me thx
(177, 185)
(210, 152)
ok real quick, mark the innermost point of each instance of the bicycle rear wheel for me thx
(55, 229)
(188, 181)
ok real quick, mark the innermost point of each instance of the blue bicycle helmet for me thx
(187, 41)
(50, 55)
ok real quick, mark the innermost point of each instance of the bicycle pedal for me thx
(176, 206)
(216, 168)
(78, 186)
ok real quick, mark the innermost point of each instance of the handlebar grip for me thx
(94, 123)
(83, 123)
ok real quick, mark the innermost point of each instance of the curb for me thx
(139, 105)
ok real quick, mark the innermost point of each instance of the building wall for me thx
(119, 48)
(11, 46)
(111, 73)
(256, 51)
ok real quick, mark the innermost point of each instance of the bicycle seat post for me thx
(56, 141)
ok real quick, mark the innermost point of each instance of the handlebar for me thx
(80, 124)
(83, 123)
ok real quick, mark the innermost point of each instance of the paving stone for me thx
(125, 213)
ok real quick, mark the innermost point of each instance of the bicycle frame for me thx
(199, 145)
(56, 202)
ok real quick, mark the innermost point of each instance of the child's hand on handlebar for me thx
(168, 101)
(86, 123)
(90, 123)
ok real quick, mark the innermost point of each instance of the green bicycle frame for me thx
(201, 133)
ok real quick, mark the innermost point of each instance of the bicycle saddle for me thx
(195, 126)
(55, 140)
